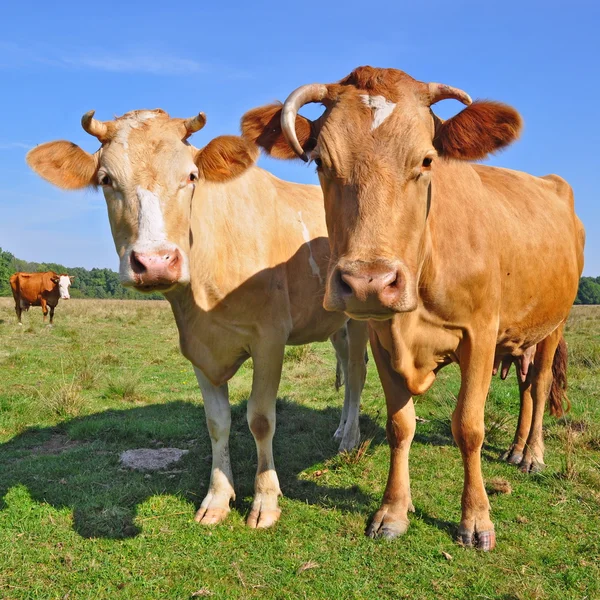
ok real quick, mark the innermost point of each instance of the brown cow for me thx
(39, 289)
(239, 254)
(452, 261)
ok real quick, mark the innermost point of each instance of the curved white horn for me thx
(441, 91)
(312, 92)
(195, 123)
(98, 129)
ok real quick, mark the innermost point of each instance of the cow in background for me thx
(240, 255)
(39, 289)
(451, 261)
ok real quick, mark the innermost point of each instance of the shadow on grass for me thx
(76, 464)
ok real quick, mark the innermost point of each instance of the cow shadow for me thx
(76, 464)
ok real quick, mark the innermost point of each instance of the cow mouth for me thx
(384, 315)
(154, 287)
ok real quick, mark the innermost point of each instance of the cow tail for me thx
(558, 402)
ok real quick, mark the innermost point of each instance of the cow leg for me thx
(358, 334)
(52, 314)
(19, 311)
(261, 420)
(215, 506)
(476, 362)
(533, 457)
(44, 306)
(339, 341)
(514, 454)
(391, 519)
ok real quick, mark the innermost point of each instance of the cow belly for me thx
(24, 304)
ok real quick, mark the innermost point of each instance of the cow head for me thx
(375, 148)
(64, 281)
(148, 172)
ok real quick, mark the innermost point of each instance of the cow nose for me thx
(156, 268)
(363, 285)
(368, 288)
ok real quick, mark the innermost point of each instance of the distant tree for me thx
(589, 291)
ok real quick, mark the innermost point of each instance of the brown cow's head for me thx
(375, 148)
(148, 172)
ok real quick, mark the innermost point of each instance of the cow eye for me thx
(105, 180)
(193, 177)
(427, 162)
(318, 162)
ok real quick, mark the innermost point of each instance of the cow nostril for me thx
(345, 287)
(136, 265)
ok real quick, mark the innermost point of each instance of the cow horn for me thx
(312, 92)
(98, 129)
(195, 123)
(441, 91)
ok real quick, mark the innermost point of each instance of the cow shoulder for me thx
(64, 164)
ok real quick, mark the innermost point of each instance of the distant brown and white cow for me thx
(39, 289)
(240, 255)
(451, 261)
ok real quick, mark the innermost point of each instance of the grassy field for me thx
(109, 377)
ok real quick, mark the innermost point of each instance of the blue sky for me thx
(59, 60)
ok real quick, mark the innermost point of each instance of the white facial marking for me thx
(381, 106)
(311, 259)
(151, 224)
(63, 286)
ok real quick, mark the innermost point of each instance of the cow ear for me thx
(478, 130)
(64, 164)
(54, 279)
(71, 277)
(225, 158)
(262, 126)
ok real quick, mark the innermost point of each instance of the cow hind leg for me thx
(268, 363)
(391, 520)
(215, 506)
(514, 455)
(19, 312)
(533, 456)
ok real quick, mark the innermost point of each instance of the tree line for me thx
(104, 283)
(96, 283)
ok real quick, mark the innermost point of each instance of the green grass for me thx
(109, 377)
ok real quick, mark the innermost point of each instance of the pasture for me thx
(109, 377)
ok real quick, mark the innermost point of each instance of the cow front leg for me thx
(215, 506)
(52, 314)
(391, 519)
(339, 341)
(476, 361)
(358, 335)
(265, 511)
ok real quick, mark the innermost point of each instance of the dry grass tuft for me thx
(498, 485)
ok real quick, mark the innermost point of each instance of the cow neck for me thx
(229, 226)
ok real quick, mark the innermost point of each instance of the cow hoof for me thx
(481, 540)
(263, 519)
(512, 456)
(211, 516)
(386, 526)
(339, 434)
(531, 465)
(348, 445)
(20, 324)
